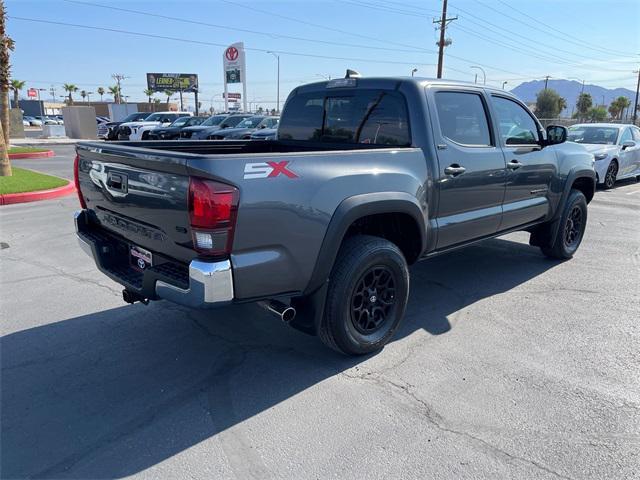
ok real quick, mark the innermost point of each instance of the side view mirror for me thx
(628, 144)
(556, 134)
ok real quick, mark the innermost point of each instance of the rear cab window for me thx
(364, 116)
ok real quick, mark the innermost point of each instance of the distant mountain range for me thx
(570, 89)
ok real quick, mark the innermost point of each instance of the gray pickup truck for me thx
(367, 176)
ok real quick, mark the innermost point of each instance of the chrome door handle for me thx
(454, 170)
(514, 165)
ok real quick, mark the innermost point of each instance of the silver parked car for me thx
(616, 149)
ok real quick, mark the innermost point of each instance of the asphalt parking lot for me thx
(509, 365)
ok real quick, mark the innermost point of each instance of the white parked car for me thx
(47, 120)
(616, 149)
(33, 121)
(140, 130)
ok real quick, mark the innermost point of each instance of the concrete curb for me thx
(44, 154)
(24, 197)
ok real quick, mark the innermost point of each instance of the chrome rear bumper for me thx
(209, 284)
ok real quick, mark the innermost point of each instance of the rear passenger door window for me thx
(463, 118)
(516, 125)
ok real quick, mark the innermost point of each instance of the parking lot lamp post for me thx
(504, 83)
(278, 81)
(413, 72)
(484, 75)
(635, 104)
(89, 96)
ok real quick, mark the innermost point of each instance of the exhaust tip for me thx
(288, 314)
(284, 312)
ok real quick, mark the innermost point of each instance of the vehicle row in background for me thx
(139, 130)
(183, 125)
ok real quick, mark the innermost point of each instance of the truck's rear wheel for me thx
(572, 226)
(367, 296)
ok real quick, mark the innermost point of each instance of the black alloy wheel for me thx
(373, 300)
(573, 227)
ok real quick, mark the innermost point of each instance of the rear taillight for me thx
(212, 213)
(76, 179)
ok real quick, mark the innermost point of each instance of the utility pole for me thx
(118, 77)
(546, 81)
(635, 104)
(444, 21)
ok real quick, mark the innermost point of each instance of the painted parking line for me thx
(633, 192)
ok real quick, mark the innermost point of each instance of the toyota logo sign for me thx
(231, 54)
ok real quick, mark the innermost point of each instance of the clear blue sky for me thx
(513, 40)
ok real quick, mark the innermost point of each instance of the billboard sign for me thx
(234, 67)
(159, 82)
(32, 92)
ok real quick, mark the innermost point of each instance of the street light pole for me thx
(413, 72)
(635, 105)
(278, 85)
(504, 83)
(484, 75)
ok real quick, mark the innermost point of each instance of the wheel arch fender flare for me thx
(352, 209)
(573, 175)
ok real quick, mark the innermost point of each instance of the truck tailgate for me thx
(141, 196)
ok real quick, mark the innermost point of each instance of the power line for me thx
(533, 49)
(582, 42)
(385, 8)
(554, 48)
(516, 48)
(237, 29)
(201, 42)
(317, 25)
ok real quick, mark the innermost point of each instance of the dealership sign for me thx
(32, 92)
(234, 67)
(230, 96)
(176, 82)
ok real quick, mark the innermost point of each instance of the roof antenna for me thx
(352, 74)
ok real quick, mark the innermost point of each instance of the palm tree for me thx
(16, 86)
(100, 92)
(6, 46)
(149, 93)
(115, 91)
(83, 94)
(562, 104)
(168, 93)
(623, 102)
(70, 88)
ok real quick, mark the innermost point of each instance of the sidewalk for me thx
(19, 142)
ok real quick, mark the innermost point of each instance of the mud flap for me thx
(310, 310)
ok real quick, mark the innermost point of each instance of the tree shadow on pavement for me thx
(109, 394)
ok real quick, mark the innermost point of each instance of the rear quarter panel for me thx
(282, 221)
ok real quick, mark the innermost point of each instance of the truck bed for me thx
(137, 193)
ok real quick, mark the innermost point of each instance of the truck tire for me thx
(367, 296)
(572, 226)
